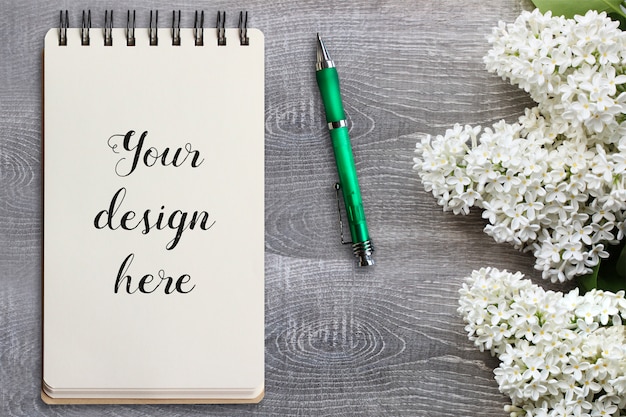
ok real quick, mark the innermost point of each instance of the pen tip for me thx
(322, 53)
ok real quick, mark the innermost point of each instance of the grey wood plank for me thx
(339, 341)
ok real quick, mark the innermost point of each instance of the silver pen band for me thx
(337, 124)
(323, 64)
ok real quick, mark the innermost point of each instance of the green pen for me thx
(328, 82)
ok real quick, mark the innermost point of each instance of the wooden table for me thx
(340, 341)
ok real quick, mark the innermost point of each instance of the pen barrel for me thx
(328, 82)
(349, 184)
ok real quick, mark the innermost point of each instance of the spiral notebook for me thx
(153, 272)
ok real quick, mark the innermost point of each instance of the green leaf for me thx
(611, 283)
(620, 266)
(589, 281)
(610, 273)
(569, 8)
(620, 18)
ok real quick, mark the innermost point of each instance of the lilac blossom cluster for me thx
(554, 182)
(561, 354)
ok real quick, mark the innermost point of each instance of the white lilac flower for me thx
(554, 182)
(561, 354)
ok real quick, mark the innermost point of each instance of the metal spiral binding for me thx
(154, 28)
(198, 29)
(64, 23)
(84, 31)
(243, 29)
(108, 28)
(221, 31)
(175, 28)
(130, 29)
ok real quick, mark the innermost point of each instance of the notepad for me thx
(153, 168)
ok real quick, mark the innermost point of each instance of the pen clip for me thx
(337, 188)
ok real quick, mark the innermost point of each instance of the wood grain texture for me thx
(339, 341)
